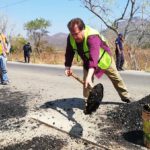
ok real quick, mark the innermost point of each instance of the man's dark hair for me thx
(79, 22)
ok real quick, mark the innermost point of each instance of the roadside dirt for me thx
(115, 125)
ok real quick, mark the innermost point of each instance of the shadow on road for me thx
(112, 103)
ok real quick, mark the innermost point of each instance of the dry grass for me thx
(142, 58)
(43, 58)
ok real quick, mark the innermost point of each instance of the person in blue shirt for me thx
(119, 52)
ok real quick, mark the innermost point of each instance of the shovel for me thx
(95, 96)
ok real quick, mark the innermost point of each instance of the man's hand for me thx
(88, 80)
(68, 71)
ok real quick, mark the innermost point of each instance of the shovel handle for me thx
(77, 78)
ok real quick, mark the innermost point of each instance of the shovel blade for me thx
(94, 99)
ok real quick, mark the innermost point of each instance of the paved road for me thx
(138, 82)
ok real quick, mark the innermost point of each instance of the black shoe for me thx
(128, 100)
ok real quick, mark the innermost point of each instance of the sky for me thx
(58, 12)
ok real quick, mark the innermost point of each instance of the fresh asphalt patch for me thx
(12, 107)
(38, 143)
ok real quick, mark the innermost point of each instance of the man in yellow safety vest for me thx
(96, 56)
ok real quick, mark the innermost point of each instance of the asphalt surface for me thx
(136, 78)
(40, 89)
(136, 81)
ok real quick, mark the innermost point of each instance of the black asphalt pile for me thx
(129, 116)
(38, 143)
(12, 106)
(124, 125)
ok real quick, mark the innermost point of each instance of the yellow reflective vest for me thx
(104, 61)
(3, 47)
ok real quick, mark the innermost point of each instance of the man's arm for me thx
(69, 55)
(94, 43)
(6, 41)
(117, 46)
(88, 80)
(30, 49)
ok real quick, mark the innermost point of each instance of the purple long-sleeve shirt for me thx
(94, 43)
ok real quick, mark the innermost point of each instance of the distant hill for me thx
(57, 41)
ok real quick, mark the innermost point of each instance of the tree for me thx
(108, 11)
(36, 30)
(144, 29)
(17, 43)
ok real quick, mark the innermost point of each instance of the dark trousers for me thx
(26, 58)
(119, 60)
